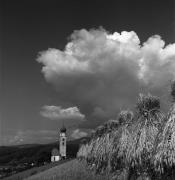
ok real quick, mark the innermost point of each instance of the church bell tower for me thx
(63, 142)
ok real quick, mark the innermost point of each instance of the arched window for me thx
(169, 138)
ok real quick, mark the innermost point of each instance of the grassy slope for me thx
(72, 170)
(35, 170)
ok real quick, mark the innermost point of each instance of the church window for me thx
(169, 138)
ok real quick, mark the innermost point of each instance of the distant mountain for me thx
(37, 153)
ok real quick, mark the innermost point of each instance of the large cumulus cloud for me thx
(101, 73)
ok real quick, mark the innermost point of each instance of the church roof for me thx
(55, 152)
(63, 129)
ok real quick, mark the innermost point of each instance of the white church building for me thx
(61, 154)
(55, 155)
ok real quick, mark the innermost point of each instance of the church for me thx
(61, 154)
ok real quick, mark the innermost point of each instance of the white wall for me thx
(63, 138)
(55, 158)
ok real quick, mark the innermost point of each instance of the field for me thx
(72, 170)
(15, 159)
(35, 170)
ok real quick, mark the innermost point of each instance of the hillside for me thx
(72, 170)
(12, 155)
(34, 170)
(14, 159)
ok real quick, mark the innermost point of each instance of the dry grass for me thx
(101, 152)
(120, 142)
(144, 137)
(131, 144)
(72, 170)
(165, 156)
(32, 171)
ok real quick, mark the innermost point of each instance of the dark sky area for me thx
(29, 27)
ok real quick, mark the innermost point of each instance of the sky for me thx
(80, 63)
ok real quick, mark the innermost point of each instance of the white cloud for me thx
(58, 113)
(77, 133)
(91, 52)
(106, 71)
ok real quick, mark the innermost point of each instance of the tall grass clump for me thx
(83, 152)
(130, 143)
(145, 134)
(165, 154)
(96, 152)
(121, 140)
(102, 146)
(105, 149)
(100, 153)
(107, 127)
